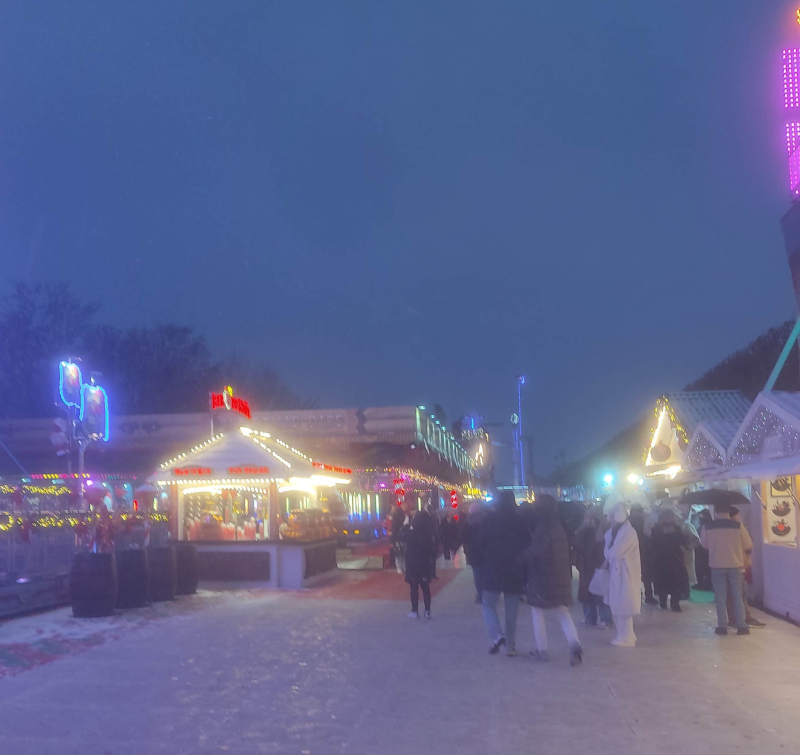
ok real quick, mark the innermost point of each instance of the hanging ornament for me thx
(782, 508)
(660, 452)
(781, 529)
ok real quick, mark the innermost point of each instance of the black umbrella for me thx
(715, 497)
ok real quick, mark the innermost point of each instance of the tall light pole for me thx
(520, 453)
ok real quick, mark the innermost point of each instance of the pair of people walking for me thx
(517, 560)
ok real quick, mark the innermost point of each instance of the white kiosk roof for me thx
(247, 457)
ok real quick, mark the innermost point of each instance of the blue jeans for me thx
(724, 580)
(511, 602)
(476, 578)
(595, 607)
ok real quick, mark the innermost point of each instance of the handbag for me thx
(601, 581)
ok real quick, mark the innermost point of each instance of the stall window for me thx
(780, 511)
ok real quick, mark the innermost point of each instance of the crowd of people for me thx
(527, 554)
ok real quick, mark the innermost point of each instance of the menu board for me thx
(780, 516)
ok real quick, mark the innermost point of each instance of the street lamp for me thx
(520, 452)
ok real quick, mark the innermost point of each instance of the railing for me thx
(43, 553)
(38, 555)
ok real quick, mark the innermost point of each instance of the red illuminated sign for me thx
(226, 400)
(329, 468)
(248, 469)
(190, 471)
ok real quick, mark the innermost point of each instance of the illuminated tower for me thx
(790, 223)
(791, 105)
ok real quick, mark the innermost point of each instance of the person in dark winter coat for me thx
(589, 556)
(470, 534)
(420, 552)
(398, 520)
(701, 566)
(550, 578)
(637, 519)
(670, 577)
(502, 541)
(446, 536)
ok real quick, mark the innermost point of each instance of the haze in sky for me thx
(412, 202)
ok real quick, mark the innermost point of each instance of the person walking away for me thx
(503, 539)
(637, 520)
(747, 577)
(445, 535)
(398, 520)
(420, 548)
(472, 551)
(701, 556)
(625, 583)
(727, 541)
(670, 577)
(433, 523)
(549, 569)
(589, 556)
(692, 541)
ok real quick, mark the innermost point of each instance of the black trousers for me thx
(674, 600)
(426, 595)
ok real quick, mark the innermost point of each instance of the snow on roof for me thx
(692, 407)
(788, 401)
(721, 430)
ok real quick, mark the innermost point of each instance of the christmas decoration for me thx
(764, 425)
(781, 529)
(781, 508)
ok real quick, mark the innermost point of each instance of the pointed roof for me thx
(771, 429)
(246, 456)
(679, 415)
(692, 407)
(708, 447)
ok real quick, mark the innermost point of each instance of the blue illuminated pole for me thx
(520, 451)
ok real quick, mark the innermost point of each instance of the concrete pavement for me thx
(326, 673)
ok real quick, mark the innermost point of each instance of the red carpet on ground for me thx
(373, 548)
(381, 585)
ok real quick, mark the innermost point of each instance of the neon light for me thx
(248, 469)
(73, 380)
(329, 468)
(93, 389)
(186, 471)
(226, 400)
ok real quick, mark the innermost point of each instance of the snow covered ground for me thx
(342, 670)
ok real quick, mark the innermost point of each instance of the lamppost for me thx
(520, 453)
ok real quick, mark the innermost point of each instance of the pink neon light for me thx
(791, 78)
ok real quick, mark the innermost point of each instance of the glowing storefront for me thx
(249, 485)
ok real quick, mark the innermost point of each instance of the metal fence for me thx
(45, 554)
(49, 553)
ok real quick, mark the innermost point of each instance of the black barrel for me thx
(163, 573)
(133, 570)
(188, 568)
(93, 584)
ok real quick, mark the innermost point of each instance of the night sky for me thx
(411, 202)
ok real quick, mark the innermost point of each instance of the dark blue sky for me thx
(411, 202)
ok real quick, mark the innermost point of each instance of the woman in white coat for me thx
(625, 565)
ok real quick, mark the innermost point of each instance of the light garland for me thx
(413, 475)
(703, 454)
(765, 424)
(227, 481)
(197, 448)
